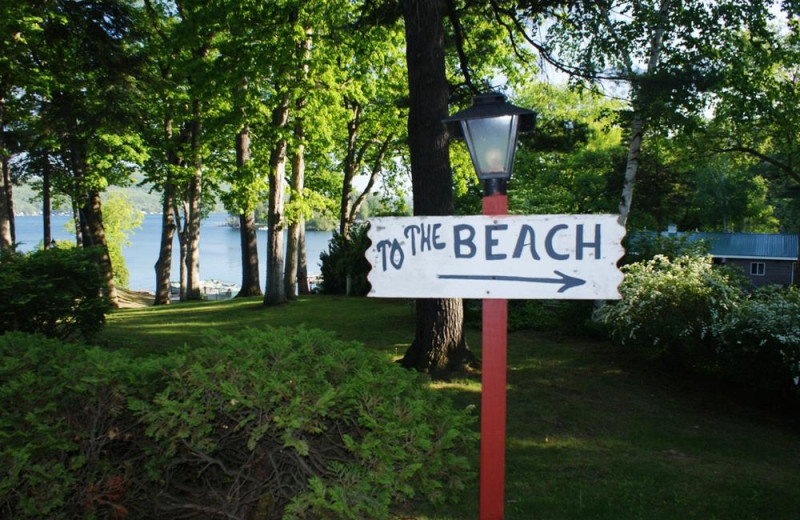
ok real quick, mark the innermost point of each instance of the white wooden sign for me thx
(517, 257)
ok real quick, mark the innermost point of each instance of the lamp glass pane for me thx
(490, 142)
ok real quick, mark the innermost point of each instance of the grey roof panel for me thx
(750, 245)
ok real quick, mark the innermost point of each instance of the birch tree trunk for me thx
(303, 52)
(297, 184)
(76, 221)
(181, 225)
(638, 123)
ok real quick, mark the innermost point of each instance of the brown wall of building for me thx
(775, 271)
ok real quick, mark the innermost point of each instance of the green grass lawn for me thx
(591, 435)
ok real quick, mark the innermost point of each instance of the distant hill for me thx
(28, 202)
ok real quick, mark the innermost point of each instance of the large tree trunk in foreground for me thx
(439, 345)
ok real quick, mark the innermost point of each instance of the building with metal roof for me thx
(766, 258)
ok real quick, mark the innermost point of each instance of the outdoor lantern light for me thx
(490, 128)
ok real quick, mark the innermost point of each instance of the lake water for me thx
(220, 250)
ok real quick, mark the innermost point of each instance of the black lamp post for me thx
(490, 127)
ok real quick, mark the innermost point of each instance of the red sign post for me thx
(493, 392)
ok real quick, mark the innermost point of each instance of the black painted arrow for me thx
(567, 282)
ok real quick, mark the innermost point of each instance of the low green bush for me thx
(294, 422)
(55, 292)
(258, 424)
(69, 446)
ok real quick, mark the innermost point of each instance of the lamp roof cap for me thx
(489, 105)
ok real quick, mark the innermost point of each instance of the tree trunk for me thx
(7, 238)
(7, 224)
(631, 167)
(439, 346)
(375, 170)
(182, 226)
(302, 262)
(46, 204)
(76, 220)
(638, 124)
(92, 218)
(163, 266)
(303, 52)
(275, 293)
(9, 196)
(293, 248)
(351, 164)
(194, 194)
(251, 281)
(297, 185)
(6, 241)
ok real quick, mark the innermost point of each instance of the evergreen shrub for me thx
(55, 292)
(346, 257)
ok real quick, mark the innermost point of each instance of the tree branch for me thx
(458, 32)
(546, 54)
(377, 167)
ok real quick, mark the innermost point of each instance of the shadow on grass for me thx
(592, 436)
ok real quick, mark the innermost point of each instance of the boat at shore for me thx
(210, 289)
